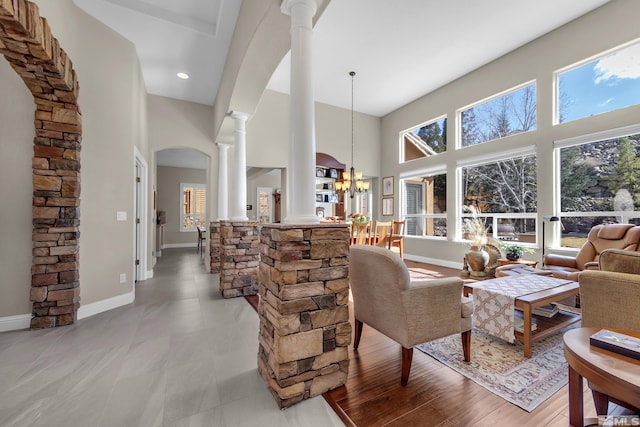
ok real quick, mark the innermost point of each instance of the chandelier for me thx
(351, 182)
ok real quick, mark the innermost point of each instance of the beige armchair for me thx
(409, 312)
(610, 299)
(600, 238)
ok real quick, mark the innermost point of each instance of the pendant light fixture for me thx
(352, 182)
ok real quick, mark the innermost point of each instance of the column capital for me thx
(239, 115)
(222, 145)
(287, 5)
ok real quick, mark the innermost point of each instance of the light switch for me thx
(121, 216)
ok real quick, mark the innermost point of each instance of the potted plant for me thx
(514, 251)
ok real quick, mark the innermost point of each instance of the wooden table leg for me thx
(576, 414)
(526, 316)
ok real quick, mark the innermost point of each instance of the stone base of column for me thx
(214, 247)
(239, 258)
(303, 309)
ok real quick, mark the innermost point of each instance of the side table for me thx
(504, 261)
(614, 374)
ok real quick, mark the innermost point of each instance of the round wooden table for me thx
(616, 375)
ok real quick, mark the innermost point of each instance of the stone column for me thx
(223, 182)
(304, 316)
(239, 258)
(214, 247)
(302, 148)
(239, 207)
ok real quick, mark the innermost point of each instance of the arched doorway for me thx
(32, 51)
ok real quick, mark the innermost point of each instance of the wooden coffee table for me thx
(614, 374)
(525, 304)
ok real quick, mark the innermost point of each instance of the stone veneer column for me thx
(32, 51)
(239, 258)
(304, 316)
(214, 247)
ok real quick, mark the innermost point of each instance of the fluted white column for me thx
(223, 182)
(239, 196)
(302, 144)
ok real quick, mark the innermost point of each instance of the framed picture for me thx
(387, 186)
(387, 206)
(333, 173)
(320, 172)
(319, 198)
(333, 198)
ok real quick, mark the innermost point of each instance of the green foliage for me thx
(576, 176)
(625, 173)
(433, 136)
(513, 250)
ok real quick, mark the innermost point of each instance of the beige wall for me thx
(269, 127)
(169, 199)
(111, 99)
(605, 28)
(267, 181)
(179, 124)
(16, 151)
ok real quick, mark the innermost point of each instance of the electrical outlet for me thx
(123, 277)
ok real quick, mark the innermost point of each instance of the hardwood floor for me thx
(436, 395)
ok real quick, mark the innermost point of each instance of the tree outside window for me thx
(505, 194)
(509, 114)
(599, 184)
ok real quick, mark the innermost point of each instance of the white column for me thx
(302, 144)
(223, 182)
(239, 196)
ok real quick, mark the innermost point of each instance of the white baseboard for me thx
(105, 305)
(14, 323)
(180, 245)
(149, 274)
(434, 261)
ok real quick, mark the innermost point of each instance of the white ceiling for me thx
(401, 50)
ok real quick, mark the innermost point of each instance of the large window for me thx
(499, 117)
(608, 83)
(425, 140)
(504, 192)
(599, 183)
(193, 206)
(425, 205)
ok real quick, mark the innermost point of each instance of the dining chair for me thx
(380, 236)
(360, 233)
(396, 238)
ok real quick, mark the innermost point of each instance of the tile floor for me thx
(180, 355)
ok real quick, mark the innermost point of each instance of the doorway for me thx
(140, 215)
(265, 204)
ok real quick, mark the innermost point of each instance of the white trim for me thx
(597, 136)
(497, 156)
(14, 323)
(180, 245)
(419, 172)
(98, 307)
(434, 261)
(142, 196)
(150, 274)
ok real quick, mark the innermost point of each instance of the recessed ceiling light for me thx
(183, 76)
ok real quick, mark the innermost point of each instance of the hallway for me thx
(180, 355)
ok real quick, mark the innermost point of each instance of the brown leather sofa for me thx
(600, 238)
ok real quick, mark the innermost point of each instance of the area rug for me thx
(502, 369)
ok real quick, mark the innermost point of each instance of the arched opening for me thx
(32, 51)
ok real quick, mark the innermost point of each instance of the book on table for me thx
(617, 343)
(549, 310)
(518, 324)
